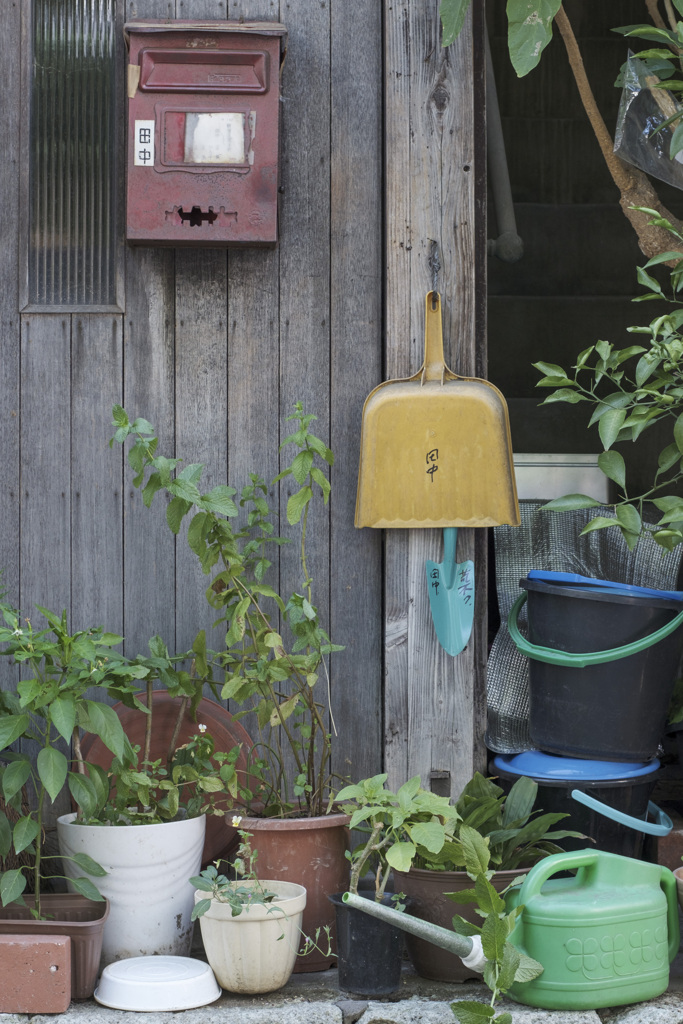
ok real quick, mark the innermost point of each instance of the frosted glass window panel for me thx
(72, 167)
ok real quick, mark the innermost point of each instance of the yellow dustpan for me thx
(435, 447)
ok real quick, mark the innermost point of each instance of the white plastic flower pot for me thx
(147, 883)
(255, 951)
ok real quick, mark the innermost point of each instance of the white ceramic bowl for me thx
(148, 983)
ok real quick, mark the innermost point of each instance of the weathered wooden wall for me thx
(379, 156)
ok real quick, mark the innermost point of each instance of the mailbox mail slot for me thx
(203, 132)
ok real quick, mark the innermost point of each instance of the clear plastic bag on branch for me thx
(644, 107)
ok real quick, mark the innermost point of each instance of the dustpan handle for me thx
(434, 366)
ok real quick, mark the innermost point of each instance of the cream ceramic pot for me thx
(147, 882)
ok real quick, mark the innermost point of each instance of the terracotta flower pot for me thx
(71, 914)
(310, 852)
(426, 889)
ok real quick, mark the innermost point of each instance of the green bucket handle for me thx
(569, 660)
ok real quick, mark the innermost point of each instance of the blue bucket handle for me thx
(661, 827)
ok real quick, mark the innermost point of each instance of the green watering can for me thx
(605, 936)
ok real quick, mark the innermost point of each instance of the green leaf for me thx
(613, 466)
(452, 14)
(598, 523)
(648, 282)
(609, 426)
(220, 500)
(14, 777)
(176, 510)
(200, 907)
(520, 801)
(678, 433)
(12, 884)
(52, 769)
(468, 1011)
(63, 713)
(475, 849)
(105, 723)
(494, 935)
(84, 792)
(296, 505)
(571, 502)
(25, 831)
(87, 864)
(509, 967)
(668, 457)
(629, 518)
(11, 728)
(528, 969)
(430, 834)
(400, 856)
(87, 889)
(550, 370)
(530, 29)
(301, 466)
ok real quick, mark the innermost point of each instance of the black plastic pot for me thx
(614, 789)
(602, 666)
(369, 951)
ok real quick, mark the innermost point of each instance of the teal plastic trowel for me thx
(451, 595)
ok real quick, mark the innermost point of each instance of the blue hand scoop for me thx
(451, 595)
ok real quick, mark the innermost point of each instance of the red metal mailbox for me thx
(203, 125)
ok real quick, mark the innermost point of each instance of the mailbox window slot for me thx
(215, 138)
(203, 71)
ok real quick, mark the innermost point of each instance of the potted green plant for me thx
(423, 845)
(47, 709)
(145, 819)
(273, 675)
(250, 928)
(370, 949)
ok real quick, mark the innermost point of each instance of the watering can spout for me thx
(467, 947)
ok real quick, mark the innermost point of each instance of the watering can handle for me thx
(661, 827)
(542, 871)
(668, 885)
(574, 660)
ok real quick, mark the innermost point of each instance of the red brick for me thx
(35, 973)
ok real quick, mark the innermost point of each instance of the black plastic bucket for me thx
(606, 801)
(369, 950)
(603, 659)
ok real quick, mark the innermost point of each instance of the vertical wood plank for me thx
(200, 411)
(45, 464)
(149, 391)
(429, 163)
(356, 367)
(96, 484)
(10, 119)
(305, 277)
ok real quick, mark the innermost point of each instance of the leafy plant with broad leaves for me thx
(48, 709)
(416, 828)
(187, 781)
(630, 389)
(530, 28)
(273, 678)
(504, 963)
(399, 826)
(517, 834)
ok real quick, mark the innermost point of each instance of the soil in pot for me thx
(310, 852)
(370, 951)
(425, 890)
(69, 914)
